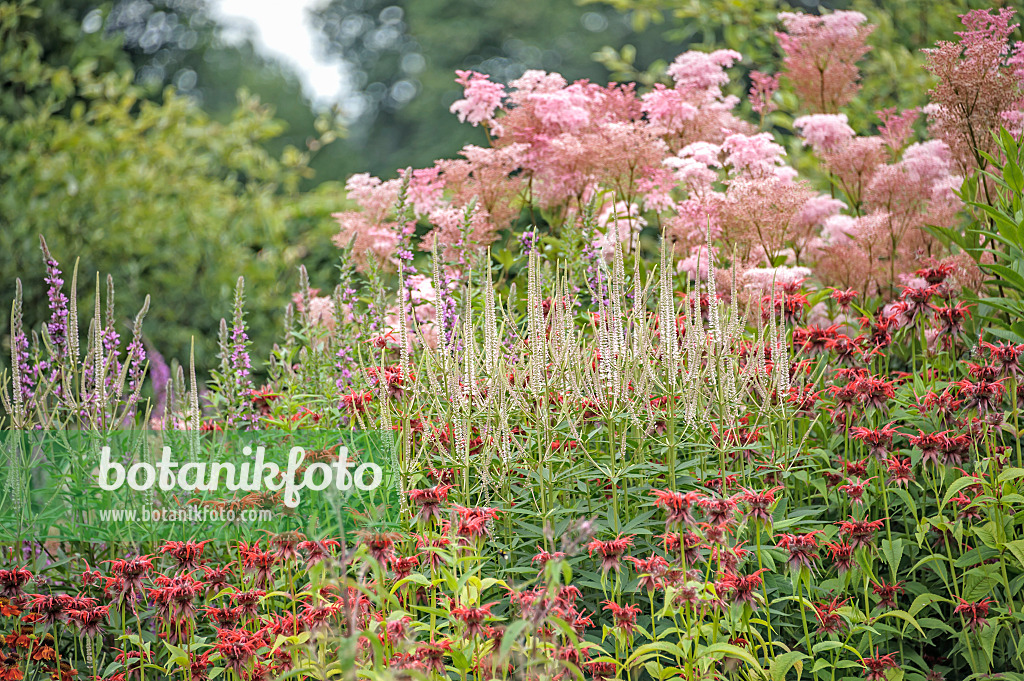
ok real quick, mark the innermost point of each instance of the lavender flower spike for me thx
(57, 328)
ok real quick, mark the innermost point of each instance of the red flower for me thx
(89, 620)
(602, 671)
(544, 557)
(473, 618)
(432, 655)
(624, 615)
(223, 616)
(237, 647)
(814, 339)
(677, 504)
(610, 551)
(649, 569)
(984, 395)
(760, 503)
(49, 609)
(875, 392)
(874, 667)
(355, 402)
(879, 440)
(844, 298)
(887, 593)
(951, 318)
(473, 521)
(379, 544)
(741, 589)
(402, 566)
(248, 601)
(259, 562)
(429, 501)
(316, 551)
(855, 490)
(128, 575)
(860, 532)
(900, 471)
(12, 581)
(936, 274)
(973, 613)
(1006, 355)
(718, 511)
(187, 553)
(829, 619)
(856, 469)
(842, 555)
(930, 445)
(802, 548)
(10, 668)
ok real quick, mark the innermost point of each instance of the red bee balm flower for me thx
(741, 589)
(187, 553)
(719, 511)
(874, 667)
(429, 501)
(760, 504)
(624, 615)
(855, 490)
(842, 555)
(649, 569)
(887, 593)
(677, 504)
(473, 618)
(829, 619)
(973, 613)
(900, 471)
(802, 548)
(860, 532)
(610, 551)
(12, 581)
(473, 521)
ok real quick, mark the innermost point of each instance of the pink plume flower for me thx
(821, 56)
(762, 88)
(482, 98)
(824, 132)
(695, 70)
(896, 128)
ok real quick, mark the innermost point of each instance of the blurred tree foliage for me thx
(403, 55)
(152, 191)
(180, 43)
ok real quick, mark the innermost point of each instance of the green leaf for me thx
(731, 651)
(1016, 547)
(893, 552)
(903, 615)
(923, 601)
(781, 665)
(958, 484)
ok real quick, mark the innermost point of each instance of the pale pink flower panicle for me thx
(482, 98)
(762, 88)
(821, 56)
(824, 132)
(979, 86)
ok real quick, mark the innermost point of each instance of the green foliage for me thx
(995, 239)
(154, 192)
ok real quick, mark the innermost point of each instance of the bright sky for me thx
(282, 29)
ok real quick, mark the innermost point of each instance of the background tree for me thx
(151, 190)
(403, 56)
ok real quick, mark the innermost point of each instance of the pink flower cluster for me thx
(680, 152)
